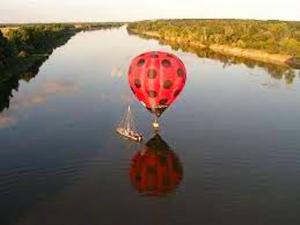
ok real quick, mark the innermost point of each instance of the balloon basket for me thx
(155, 126)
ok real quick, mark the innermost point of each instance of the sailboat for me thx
(127, 127)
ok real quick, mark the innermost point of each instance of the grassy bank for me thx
(275, 42)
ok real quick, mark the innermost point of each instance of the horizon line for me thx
(153, 19)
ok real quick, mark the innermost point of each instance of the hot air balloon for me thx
(155, 170)
(156, 79)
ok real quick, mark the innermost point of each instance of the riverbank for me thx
(21, 46)
(24, 48)
(227, 39)
(257, 55)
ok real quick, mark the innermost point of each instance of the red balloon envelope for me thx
(156, 79)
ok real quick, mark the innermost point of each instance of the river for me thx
(230, 144)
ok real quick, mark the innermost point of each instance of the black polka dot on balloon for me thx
(152, 94)
(166, 63)
(180, 72)
(151, 73)
(163, 101)
(137, 83)
(141, 62)
(168, 84)
(176, 93)
(152, 170)
(138, 177)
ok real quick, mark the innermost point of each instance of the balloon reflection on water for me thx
(155, 169)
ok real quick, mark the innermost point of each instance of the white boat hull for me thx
(132, 136)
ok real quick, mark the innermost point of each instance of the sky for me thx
(15, 11)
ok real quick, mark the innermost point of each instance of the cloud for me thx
(59, 87)
(7, 121)
(38, 97)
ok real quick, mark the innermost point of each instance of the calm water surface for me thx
(230, 143)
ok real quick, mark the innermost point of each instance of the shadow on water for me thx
(155, 169)
(275, 71)
(7, 86)
(26, 68)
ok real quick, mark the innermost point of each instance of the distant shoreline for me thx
(20, 60)
(273, 41)
(257, 55)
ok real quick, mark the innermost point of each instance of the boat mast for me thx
(123, 122)
(127, 121)
(128, 118)
(131, 122)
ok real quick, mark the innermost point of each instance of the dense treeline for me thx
(28, 40)
(32, 39)
(279, 37)
(272, 36)
(11, 81)
(7, 52)
(38, 39)
(96, 26)
(99, 25)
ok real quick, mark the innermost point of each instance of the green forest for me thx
(275, 37)
(26, 41)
